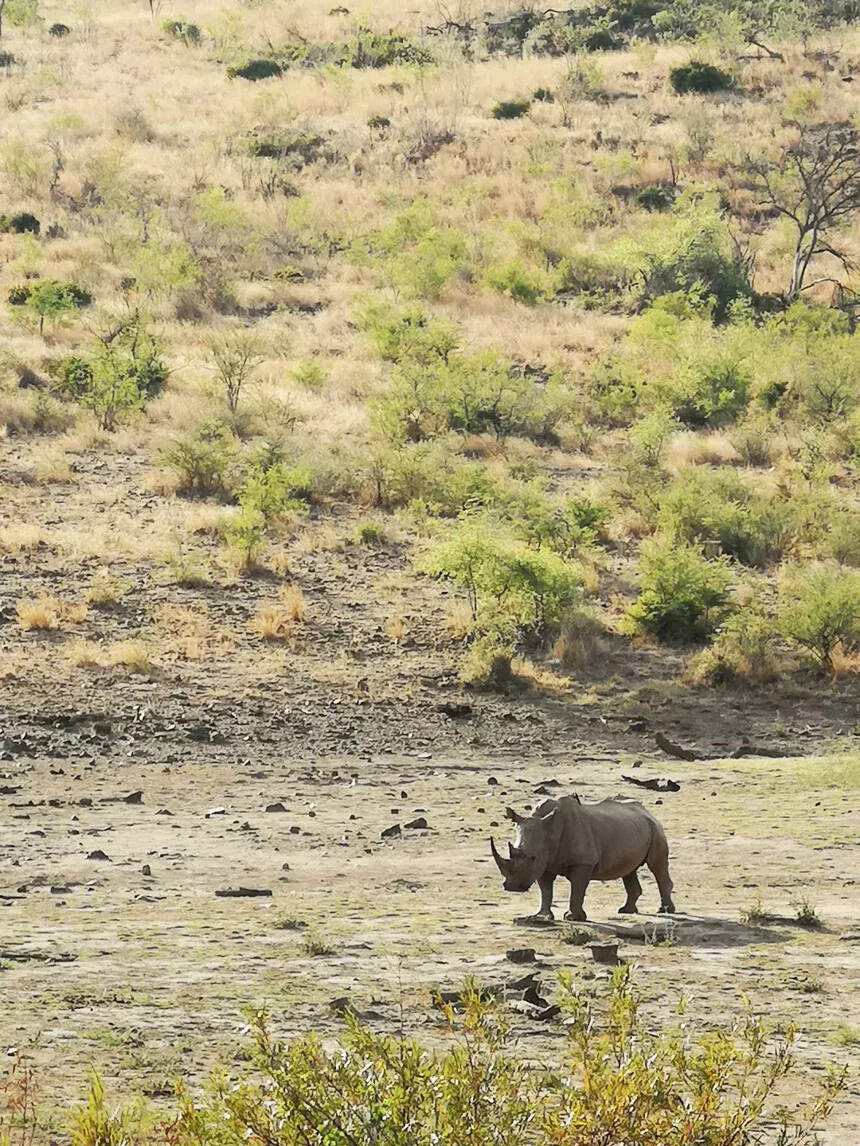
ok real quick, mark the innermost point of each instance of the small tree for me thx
(684, 596)
(235, 357)
(50, 300)
(823, 611)
(816, 185)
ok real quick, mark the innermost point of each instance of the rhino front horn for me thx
(501, 863)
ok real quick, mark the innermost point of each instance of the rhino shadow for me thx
(689, 931)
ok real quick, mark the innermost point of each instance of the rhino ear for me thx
(515, 816)
(545, 819)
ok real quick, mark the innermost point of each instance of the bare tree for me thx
(816, 185)
(235, 357)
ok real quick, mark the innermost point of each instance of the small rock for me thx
(342, 1006)
(605, 953)
(216, 812)
(417, 824)
(492, 781)
(243, 892)
(521, 955)
(133, 798)
(285, 867)
(392, 832)
(98, 854)
(295, 830)
(146, 870)
(277, 807)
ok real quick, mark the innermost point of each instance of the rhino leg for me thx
(634, 889)
(545, 884)
(579, 879)
(660, 867)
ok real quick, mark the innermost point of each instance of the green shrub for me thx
(182, 30)
(18, 295)
(699, 77)
(705, 505)
(201, 460)
(473, 394)
(543, 95)
(510, 109)
(641, 1086)
(516, 280)
(513, 592)
(821, 610)
(843, 541)
(73, 377)
(50, 300)
(683, 597)
(21, 224)
(246, 539)
(299, 148)
(370, 533)
(407, 335)
(431, 479)
(255, 70)
(274, 489)
(743, 652)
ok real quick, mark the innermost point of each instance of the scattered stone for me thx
(285, 867)
(492, 781)
(59, 890)
(342, 1006)
(530, 980)
(133, 798)
(521, 955)
(418, 824)
(530, 995)
(392, 832)
(164, 812)
(850, 936)
(146, 870)
(98, 854)
(216, 812)
(605, 953)
(276, 807)
(8, 790)
(295, 830)
(243, 892)
(85, 802)
(454, 709)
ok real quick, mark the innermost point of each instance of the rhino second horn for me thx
(501, 863)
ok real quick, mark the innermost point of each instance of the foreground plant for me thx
(618, 1083)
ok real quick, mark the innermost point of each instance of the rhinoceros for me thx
(582, 842)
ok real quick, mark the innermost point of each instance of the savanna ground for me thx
(377, 444)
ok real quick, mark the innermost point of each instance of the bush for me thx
(683, 597)
(699, 77)
(821, 610)
(407, 335)
(743, 652)
(18, 295)
(656, 197)
(50, 300)
(299, 148)
(641, 1086)
(201, 460)
(843, 542)
(58, 31)
(255, 70)
(510, 109)
(517, 281)
(513, 593)
(718, 506)
(22, 224)
(182, 30)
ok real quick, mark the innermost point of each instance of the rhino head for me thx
(527, 858)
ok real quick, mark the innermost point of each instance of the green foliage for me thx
(821, 610)
(21, 13)
(743, 652)
(620, 1081)
(182, 30)
(98, 1124)
(273, 489)
(201, 460)
(718, 506)
(684, 597)
(694, 254)
(510, 109)
(843, 541)
(475, 394)
(296, 148)
(416, 255)
(513, 592)
(50, 300)
(255, 70)
(366, 49)
(699, 77)
(656, 197)
(516, 280)
(20, 224)
(407, 335)
(431, 479)
(235, 356)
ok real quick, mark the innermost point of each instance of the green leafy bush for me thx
(407, 335)
(843, 541)
(683, 596)
(656, 197)
(201, 460)
(516, 280)
(513, 592)
(255, 70)
(718, 506)
(510, 109)
(50, 300)
(744, 651)
(699, 77)
(182, 30)
(299, 148)
(821, 610)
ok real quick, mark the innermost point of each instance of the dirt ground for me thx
(116, 952)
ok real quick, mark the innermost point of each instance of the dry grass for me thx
(397, 628)
(133, 655)
(48, 612)
(21, 538)
(581, 646)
